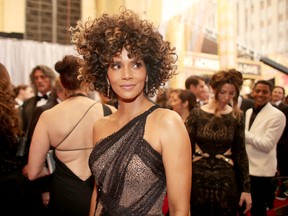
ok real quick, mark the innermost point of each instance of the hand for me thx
(25, 171)
(45, 198)
(246, 197)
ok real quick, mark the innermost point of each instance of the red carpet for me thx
(280, 208)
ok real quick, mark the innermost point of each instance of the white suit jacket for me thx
(261, 140)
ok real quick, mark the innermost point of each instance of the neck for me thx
(76, 94)
(130, 110)
(184, 115)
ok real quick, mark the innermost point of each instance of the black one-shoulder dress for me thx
(129, 173)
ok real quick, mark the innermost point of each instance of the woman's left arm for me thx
(240, 160)
(39, 148)
(177, 159)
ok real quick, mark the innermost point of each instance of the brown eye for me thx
(115, 66)
(137, 65)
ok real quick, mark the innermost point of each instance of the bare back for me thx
(76, 148)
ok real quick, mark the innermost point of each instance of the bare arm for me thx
(177, 159)
(93, 201)
(39, 148)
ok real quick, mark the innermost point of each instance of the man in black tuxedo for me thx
(278, 94)
(57, 95)
(42, 80)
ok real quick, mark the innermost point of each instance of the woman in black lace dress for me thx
(11, 179)
(221, 184)
(141, 151)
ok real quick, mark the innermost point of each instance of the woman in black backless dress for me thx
(67, 129)
(141, 151)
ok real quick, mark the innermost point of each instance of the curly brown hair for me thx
(9, 115)
(103, 38)
(230, 76)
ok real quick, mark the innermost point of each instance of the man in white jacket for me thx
(263, 128)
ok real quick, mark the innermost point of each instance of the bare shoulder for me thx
(165, 118)
(103, 127)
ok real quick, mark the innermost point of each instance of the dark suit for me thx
(34, 189)
(28, 109)
(246, 103)
(36, 114)
(282, 146)
(30, 117)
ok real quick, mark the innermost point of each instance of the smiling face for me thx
(277, 94)
(261, 94)
(127, 77)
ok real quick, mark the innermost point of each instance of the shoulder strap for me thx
(75, 125)
(107, 111)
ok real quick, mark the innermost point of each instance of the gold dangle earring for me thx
(108, 87)
(146, 85)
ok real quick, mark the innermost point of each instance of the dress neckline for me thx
(76, 95)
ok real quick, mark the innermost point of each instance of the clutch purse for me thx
(50, 161)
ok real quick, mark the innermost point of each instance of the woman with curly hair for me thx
(10, 165)
(141, 151)
(221, 184)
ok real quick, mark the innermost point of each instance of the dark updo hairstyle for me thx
(68, 69)
(103, 38)
(233, 77)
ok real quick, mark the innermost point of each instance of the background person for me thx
(277, 100)
(264, 125)
(11, 179)
(22, 92)
(183, 102)
(196, 84)
(141, 151)
(220, 176)
(42, 80)
(67, 128)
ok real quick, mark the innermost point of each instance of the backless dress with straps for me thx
(216, 184)
(69, 195)
(129, 173)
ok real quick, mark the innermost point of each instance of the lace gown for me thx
(216, 185)
(129, 173)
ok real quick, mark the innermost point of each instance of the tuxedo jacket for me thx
(30, 116)
(28, 109)
(261, 140)
(36, 114)
(284, 138)
(246, 104)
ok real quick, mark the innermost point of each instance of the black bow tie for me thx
(40, 97)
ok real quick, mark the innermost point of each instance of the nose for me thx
(126, 74)
(228, 96)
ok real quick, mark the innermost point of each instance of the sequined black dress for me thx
(216, 185)
(129, 173)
